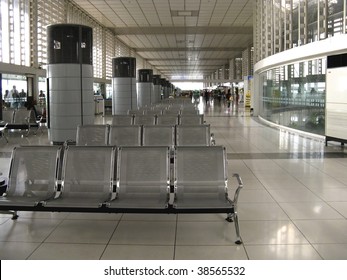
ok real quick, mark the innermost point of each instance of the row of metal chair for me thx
(159, 110)
(120, 180)
(152, 119)
(22, 119)
(144, 135)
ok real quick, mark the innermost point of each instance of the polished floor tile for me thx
(94, 216)
(27, 230)
(144, 233)
(261, 212)
(282, 184)
(149, 217)
(138, 252)
(271, 232)
(210, 253)
(255, 196)
(83, 231)
(332, 251)
(293, 206)
(13, 250)
(64, 251)
(205, 233)
(310, 211)
(293, 195)
(323, 231)
(322, 182)
(216, 217)
(41, 215)
(282, 252)
(341, 207)
(333, 194)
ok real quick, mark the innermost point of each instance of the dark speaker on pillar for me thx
(70, 100)
(145, 87)
(124, 95)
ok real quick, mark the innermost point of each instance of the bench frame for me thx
(41, 206)
(231, 212)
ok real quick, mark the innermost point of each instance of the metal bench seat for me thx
(204, 182)
(122, 119)
(21, 119)
(153, 111)
(87, 177)
(158, 135)
(142, 178)
(200, 182)
(125, 135)
(169, 119)
(108, 179)
(149, 119)
(92, 135)
(190, 119)
(32, 176)
(193, 135)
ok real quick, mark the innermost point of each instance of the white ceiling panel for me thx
(193, 37)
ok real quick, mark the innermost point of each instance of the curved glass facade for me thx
(293, 94)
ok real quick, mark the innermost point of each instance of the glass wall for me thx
(14, 90)
(14, 32)
(294, 95)
(285, 24)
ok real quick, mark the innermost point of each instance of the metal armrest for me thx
(213, 141)
(69, 142)
(240, 186)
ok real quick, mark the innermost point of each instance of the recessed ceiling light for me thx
(184, 13)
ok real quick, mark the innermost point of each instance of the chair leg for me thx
(3, 135)
(229, 218)
(232, 217)
(14, 215)
(237, 229)
(13, 212)
(28, 132)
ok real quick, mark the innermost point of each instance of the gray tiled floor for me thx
(293, 206)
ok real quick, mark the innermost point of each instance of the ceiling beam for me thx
(189, 49)
(202, 67)
(185, 60)
(215, 81)
(242, 30)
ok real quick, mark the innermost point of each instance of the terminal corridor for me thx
(293, 205)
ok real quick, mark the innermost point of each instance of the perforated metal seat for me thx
(169, 119)
(145, 119)
(189, 119)
(8, 115)
(32, 176)
(142, 178)
(92, 135)
(153, 111)
(172, 111)
(200, 177)
(136, 112)
(87, 177)
(20, 119)
(125, 135)
(193, 135)
(122, 120)
(158, 135)
(187, 111)
(200, 183)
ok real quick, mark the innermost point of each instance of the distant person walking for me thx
(15, 97)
